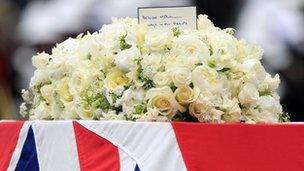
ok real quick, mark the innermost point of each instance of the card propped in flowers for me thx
(168, 17)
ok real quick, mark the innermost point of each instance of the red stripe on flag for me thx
(241, 146)
(95, 153)
(9, 135)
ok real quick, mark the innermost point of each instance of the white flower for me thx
(203, 22)
(185, 94)
(162, 79)
(190, 45)
(41, 60)
(270, 104)
(112, 115)
(42, 111)
(205, 78)
(270, 83)
(152, 60)
(125, 60)
(40, 77)
(47, 92)
(163, 100)
(254, 70)
(248, 94)
(132, 72)
(158, 39)
(115, 79)
(181, 76)
(26, 95)
(130, 98)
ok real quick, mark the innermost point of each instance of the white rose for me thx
(79, 81)
(249, 94)
(152, 60)
(69, 111)
(125, 60)
(205, 78)
(40, 76)
(190, 45)
(41, 60)
(233, 110)
(152, 114)
(112, 115)
(203, 22)
(254, 70)
(42, 111)
(161, 79)
(84, 112)
(270, 83)
(158, 39)
(270, 104)
(181, 76)
(47, 92)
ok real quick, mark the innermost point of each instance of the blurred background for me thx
(30, 26)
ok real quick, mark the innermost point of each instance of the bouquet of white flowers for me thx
(128, 71)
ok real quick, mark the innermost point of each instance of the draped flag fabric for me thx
(146, 146)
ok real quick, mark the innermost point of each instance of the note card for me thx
(168, 17)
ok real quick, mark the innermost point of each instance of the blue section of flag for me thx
(136, 168)
(28, 160)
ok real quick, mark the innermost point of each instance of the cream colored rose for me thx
(47, 92)
(248, 94)
(140, 32)
(163, 100)
(181, 76)
(185, 94)
(158, 39)
(161, 79)
(199, 109)
(63, 89)
(115, 79)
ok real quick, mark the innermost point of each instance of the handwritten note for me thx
(168, 17)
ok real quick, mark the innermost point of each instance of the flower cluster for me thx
(128, 71)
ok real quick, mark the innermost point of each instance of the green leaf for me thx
(123, 44)
(176, 32)
(266, 92)
(284, 117)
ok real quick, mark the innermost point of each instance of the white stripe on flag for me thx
(19, 146)
(56, 145)
(126, 162)
(152, 145)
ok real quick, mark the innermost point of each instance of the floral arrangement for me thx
(128, 71)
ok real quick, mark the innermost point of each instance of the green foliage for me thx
(284, 117)
(123, 44)
(266, 92)
(139, 109)
(176, 32)
(98, 101)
